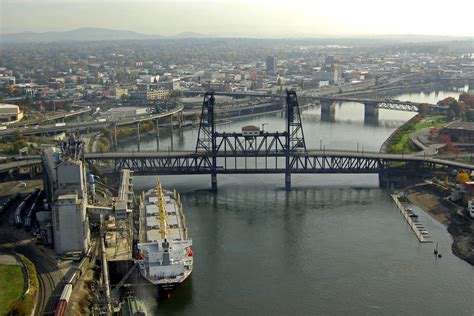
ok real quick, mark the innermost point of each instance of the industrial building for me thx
(65, 186)
(10, 113)
(124, 112)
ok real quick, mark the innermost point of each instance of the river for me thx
(335, 244)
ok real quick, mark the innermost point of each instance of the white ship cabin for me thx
(250, 130)
(164, 259)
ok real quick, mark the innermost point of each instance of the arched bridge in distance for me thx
(276, 152)
(328, 103)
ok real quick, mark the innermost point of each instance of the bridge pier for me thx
(214, 182)
(138, 136)
(157, 126)
(328, 110)
(115, 136)
(383, 180)
(371, 112)
(288, 181)
(470, 87)
(171, 135)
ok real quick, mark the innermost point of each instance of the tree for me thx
(2, 97)
(28, 100)
(447, 101)
(456, 108)
(423, 108)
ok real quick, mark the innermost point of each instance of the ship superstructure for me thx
(165, 254)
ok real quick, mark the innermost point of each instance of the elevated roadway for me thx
(89, 125)
(5, 167)
(61, 116)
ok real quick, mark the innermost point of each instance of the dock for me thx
(412, 219)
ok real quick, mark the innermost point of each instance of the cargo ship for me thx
(164, 250)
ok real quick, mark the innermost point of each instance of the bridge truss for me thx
(262, 163)
(262, 152)
(408, 107)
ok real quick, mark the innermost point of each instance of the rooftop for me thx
(8, 106)
(461, 125)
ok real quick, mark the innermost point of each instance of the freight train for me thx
(62, 306)
(20, 210)
(33, 208)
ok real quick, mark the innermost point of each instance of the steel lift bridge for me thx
(265, 152)
(231, 146)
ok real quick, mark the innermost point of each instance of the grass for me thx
(25, 305)
(11, 287)
(401, 141)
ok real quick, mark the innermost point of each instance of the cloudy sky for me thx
(244, 17)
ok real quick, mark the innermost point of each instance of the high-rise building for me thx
(271, 64)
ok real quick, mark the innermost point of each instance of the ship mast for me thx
(162, 214)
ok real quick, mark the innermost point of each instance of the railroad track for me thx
(47, 299)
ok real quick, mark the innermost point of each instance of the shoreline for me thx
(461, 228)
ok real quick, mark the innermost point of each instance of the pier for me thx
(416, 226)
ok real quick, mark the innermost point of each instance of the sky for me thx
(262, 18)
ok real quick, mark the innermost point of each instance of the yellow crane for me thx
(162, 212)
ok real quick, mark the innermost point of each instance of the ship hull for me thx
(166, 287)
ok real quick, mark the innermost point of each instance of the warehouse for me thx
(10, 113)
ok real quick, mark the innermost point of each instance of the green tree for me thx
(2, 97)
(456, 108)
(28, 100)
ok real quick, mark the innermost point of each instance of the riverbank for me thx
(430, 198)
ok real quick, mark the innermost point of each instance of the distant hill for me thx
(102, 34)
(88, 34)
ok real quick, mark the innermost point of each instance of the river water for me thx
(335, 244)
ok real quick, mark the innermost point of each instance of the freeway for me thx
(52, 117)
(4, 167)
(44, 129)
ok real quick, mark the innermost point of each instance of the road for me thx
(44, 129)
(48, 118)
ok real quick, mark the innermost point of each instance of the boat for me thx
(165, 257)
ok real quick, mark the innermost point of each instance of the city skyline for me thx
(262, 18)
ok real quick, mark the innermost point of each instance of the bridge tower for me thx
(206, 141)
(295, 141)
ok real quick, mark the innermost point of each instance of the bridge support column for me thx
(171, 135)
(214, 181)
(138, 136)
(288, 181)
(383, 180)
(157, 126)
(328, 110)
(470, 87)
(115, 137)
(371, 112)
